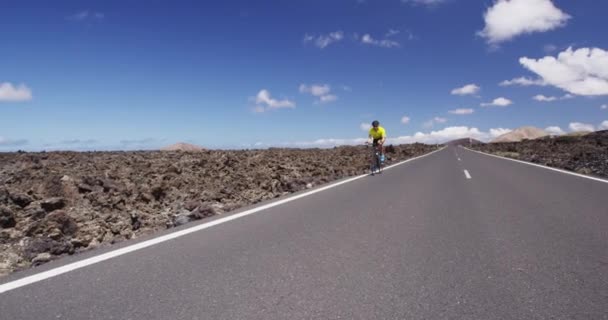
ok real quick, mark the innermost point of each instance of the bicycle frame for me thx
(375, 163)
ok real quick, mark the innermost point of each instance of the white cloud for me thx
(11, 93)
(424, 2)
(498, 102)
(328, 98)
(391, 33)
(316, 90)
(507, 19)
(555, 130)
(434, 121)
(324, 40)
(604, 107)
(461, 111)
(405, 119)
(365, 126)
(321, 91)
(87, 15)
(604, 125)
(466, 90)
(448, 134)
(384, 43)
(543, 98)
(523, 81)
(548, 48)
(499, 132)
(577, 126)
(439, 136)
(264, 102)
(582, 72)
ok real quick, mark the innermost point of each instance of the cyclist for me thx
(377, 136)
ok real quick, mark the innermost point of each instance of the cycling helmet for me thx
(375, 123)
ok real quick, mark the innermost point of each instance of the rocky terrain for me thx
(60, 203)
(586, 154)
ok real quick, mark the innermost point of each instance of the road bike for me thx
(375, 160)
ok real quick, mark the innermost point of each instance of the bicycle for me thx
(376, 161)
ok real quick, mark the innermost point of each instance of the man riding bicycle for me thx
(377, 136)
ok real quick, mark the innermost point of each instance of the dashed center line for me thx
(467, 174)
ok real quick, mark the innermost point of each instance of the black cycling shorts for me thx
(375, 143)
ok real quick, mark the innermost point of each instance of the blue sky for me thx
(238, 74)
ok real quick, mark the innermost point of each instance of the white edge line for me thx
(467, 174)
(113, 254)
(541, 166)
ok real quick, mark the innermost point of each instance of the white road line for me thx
(467, 174)
(459, 159)
(544, 167)
(113, 254)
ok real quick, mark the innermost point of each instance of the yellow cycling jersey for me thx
(377, 134)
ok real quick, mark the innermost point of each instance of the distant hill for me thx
(523, 133)
(181, 146)
(464, 142)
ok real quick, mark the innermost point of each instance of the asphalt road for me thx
(421, 241)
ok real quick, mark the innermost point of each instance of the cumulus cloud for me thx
(523, 81)
(11, 93)
(466, 90)
(439, 136)
(604, 125)
(555, 130)
(461, 111)
(264, 102)
(604, 107)
(405, 119)
(578, 126)
(365, 126)
(320, 91)
(448, 134)
(499, 132)
(581, 72)
(498, 102)
(384, 43)
(543, 98)
(324, 40)
(507, 19)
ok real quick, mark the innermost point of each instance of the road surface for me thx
(454, 235)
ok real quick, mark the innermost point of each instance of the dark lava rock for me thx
(115, 196)
(64, 222)
(21, 199)
(586, 154)
(52, 204)
(7, 218)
